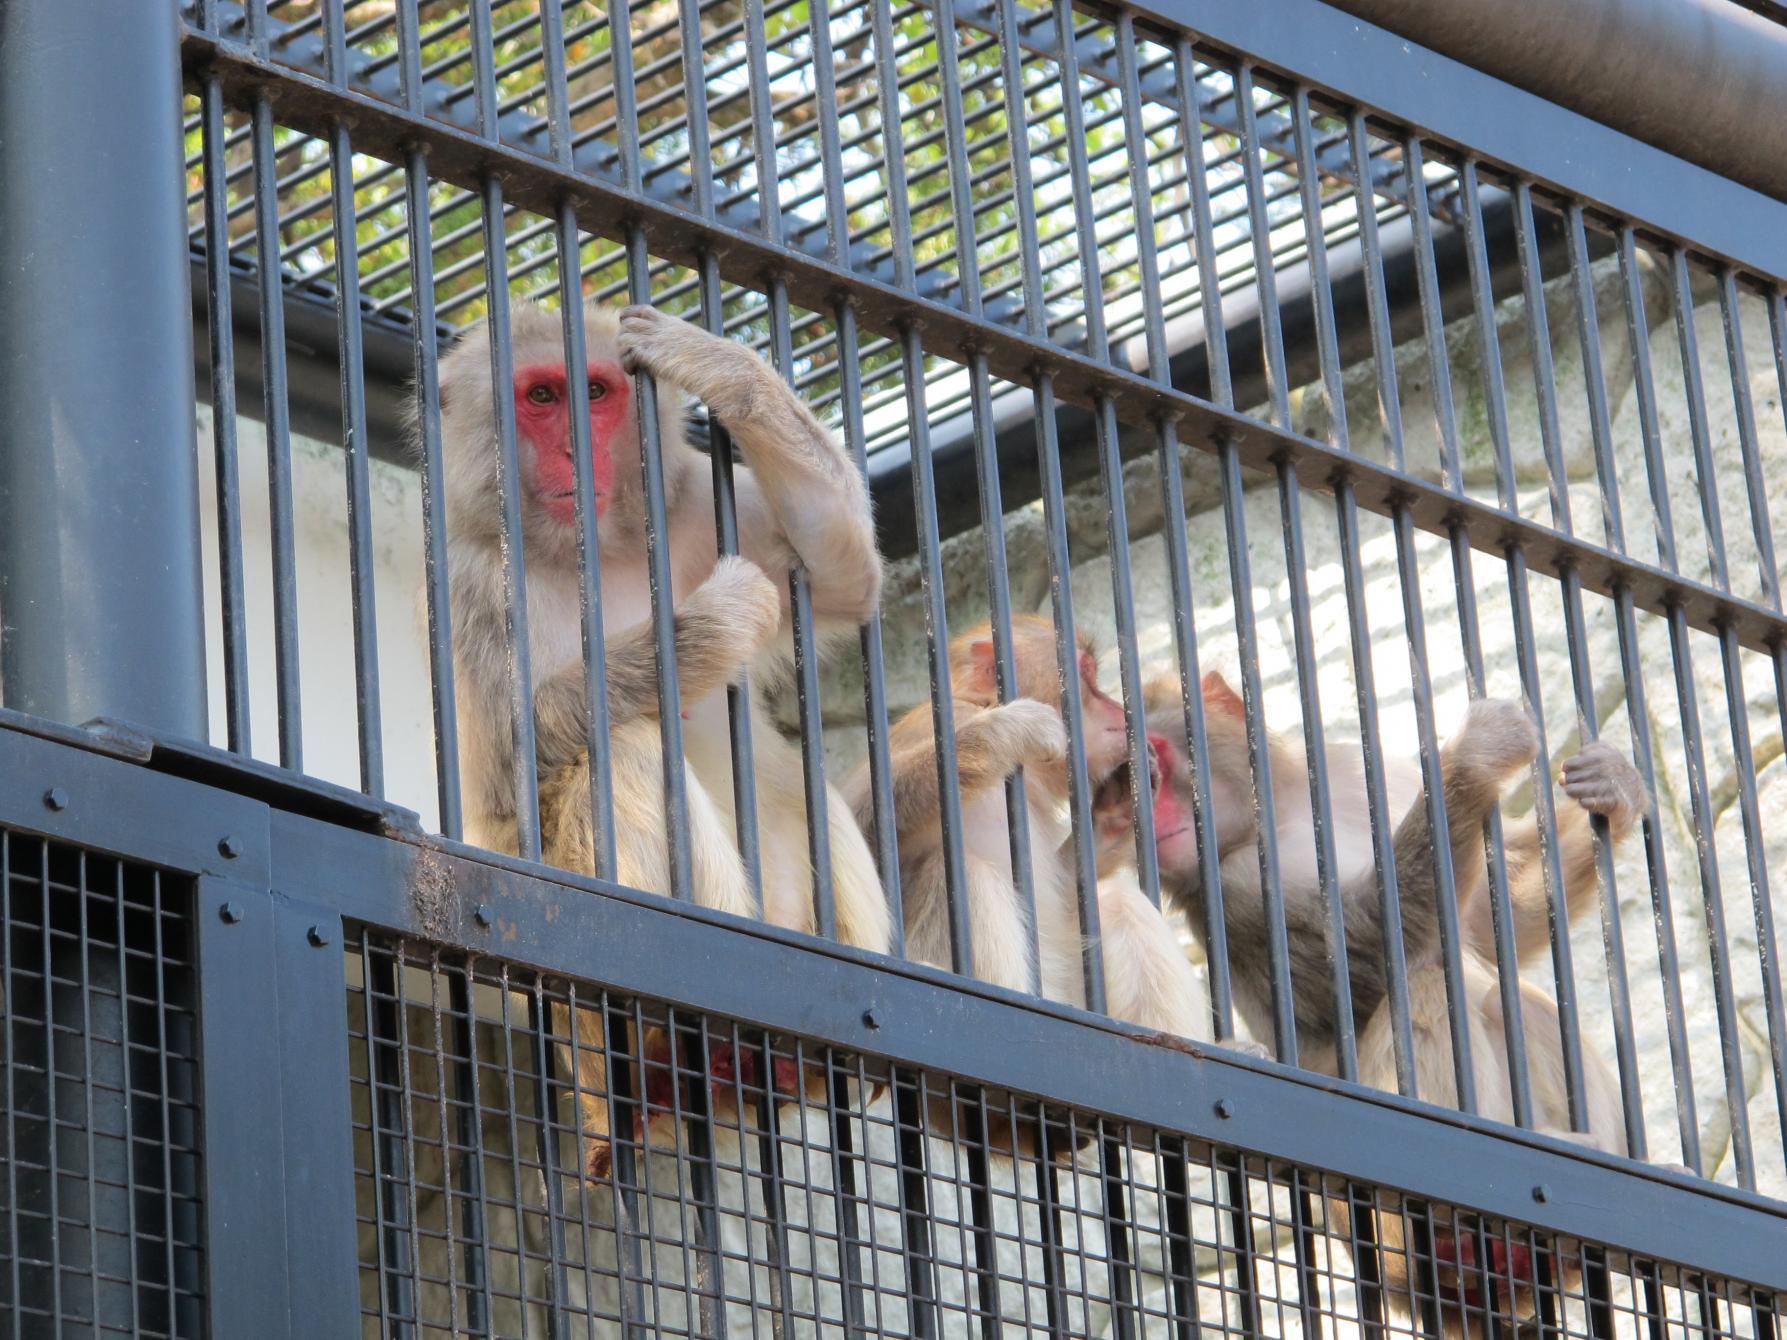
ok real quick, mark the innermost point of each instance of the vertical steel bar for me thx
(1110, 470)
(831, 154)
(1612, 932)
(806, 671)
(1637, 709)
(546, 1095)
(1197, 744)
(277, 411)
(1699, 431)
(434, 521)
(1260, 234)
(955, 139)
(1762, 531)
(844, 1165)
(915, 1237)
(1017, 121)
(589, 559)
(1464, 584)
(1730, 1048)
(358, 449)
(893, 147)
(1079, 797)
(937, 639)
(396, 1302)
(763, 122)
(887, 855)
(657, 550)
(1297, 568)
(471, 1140)
(508, 481)
(221, 335)
(1284, 1009)
(99, 523)
(1687, 698)
(1191, 137)
(738, 692)
(1563, 975)
(992, 523)
(1073, 118)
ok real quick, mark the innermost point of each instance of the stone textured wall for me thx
(1681, 885)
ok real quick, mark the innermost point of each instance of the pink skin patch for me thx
(726, 1067)
(1506, 1264)
(545, 428)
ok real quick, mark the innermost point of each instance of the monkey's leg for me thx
(1148, 979)
(863, 917)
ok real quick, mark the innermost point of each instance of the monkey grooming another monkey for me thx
(800, 502)
(1148, 980)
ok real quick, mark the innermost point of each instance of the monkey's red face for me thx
(1175, 840)
(544, 424)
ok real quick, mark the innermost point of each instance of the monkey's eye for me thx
(542, 395)
(596, 391)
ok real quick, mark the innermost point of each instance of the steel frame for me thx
(296, 874)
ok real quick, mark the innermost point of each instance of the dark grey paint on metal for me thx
(1640, 66)
(99, 542)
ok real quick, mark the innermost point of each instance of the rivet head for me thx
(1541, 1193)
(317, 936)
(55, 798)
(871, 1019)
(229, 847)
(1224, 1108)
(482, 914)
(230, 912)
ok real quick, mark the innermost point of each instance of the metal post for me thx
(100, 598)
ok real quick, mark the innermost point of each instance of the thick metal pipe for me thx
(1639, 66)
(99, 543)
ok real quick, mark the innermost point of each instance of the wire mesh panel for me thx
(1312, 423)
(538, 1157)
(100, 1227)
(1073, 499)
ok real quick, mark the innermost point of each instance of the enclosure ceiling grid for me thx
(456, 154)
(312, 252)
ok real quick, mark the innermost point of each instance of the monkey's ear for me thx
(981, 668)
(1219, 695)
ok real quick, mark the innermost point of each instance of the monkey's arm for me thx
(802, 500)
(718, 628)
(989, 746)
(1598, 780)
(1496, 739)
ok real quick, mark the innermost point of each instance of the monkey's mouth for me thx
(1115, 792)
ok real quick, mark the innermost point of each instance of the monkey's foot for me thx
(1498, 737)
(1247, 1047)
(1601, 781)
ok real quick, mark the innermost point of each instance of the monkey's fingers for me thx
(1601, 781)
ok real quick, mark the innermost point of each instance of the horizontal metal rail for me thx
(908, 1014)
(606, 206)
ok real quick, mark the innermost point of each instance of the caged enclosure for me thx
(1141, 692)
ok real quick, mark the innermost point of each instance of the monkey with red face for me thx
(800, 502)
(1147, 978)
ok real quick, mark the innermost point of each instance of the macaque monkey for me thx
(1496, 741)
(1148, 979)
(800, 503)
